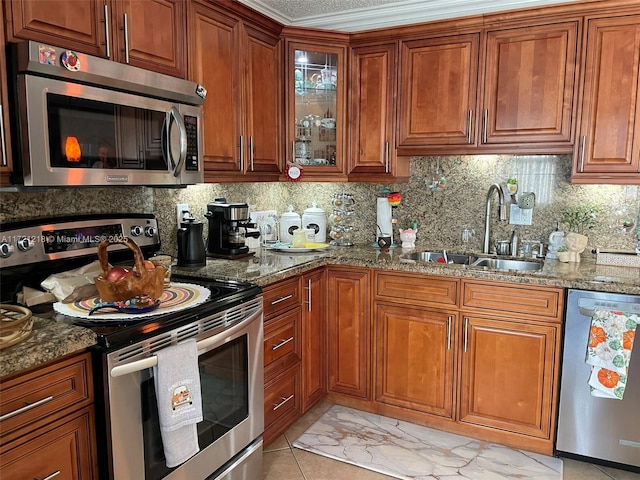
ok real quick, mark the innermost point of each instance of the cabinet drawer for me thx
(64, 450)
(42, 396)
(514, 299)
(412, 289)
(282, 403)
(282, 340)
(281, 296)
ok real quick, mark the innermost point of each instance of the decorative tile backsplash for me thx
(445, 195)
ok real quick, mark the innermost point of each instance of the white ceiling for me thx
(357, 15)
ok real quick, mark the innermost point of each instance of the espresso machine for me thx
(228, 223)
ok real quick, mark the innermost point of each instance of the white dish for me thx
(311, 247)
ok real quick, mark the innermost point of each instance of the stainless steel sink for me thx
(491, 263)
(441, 257)
(508, 265)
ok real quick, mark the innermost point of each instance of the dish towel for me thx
(177, 384)
(609, 352)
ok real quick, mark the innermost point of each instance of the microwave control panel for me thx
(191, 125)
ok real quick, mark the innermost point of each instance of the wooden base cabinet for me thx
(507, 374)
(314, 337)
(349, 331)
(415, 358)
(49, 427)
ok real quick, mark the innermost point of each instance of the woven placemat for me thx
(178, 296)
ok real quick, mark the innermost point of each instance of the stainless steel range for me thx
(227, 328)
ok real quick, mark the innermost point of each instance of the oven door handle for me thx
(203, 345)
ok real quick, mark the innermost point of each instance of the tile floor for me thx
(283, 462)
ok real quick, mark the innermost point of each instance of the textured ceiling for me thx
(356, 15)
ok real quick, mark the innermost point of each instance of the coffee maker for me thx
(228, 223)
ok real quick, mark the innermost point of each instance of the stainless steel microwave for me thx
(87, 121)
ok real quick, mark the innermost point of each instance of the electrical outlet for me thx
(180, 207)
(520, 216)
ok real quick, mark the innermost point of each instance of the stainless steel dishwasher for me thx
(599, 428)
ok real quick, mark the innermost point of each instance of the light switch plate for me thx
(520, 216)
(180, 207)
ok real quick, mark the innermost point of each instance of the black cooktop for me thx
(118, 333)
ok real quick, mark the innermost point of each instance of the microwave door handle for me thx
(174, 116)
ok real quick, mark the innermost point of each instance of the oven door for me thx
(74, 134)
(232, 384)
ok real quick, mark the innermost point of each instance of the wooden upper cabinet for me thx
(145, 33)
(529, 85)
(608, 144)
(315, 103)
(373, 115)
(214, 62)
(154, 35)
(74, 24)
(6, 163)
(438, 91)
(500, 89)
(240, 67)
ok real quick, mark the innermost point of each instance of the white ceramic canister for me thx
(315, 218)
(289, 221)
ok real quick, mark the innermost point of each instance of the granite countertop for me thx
(268, 266)
(49, 340)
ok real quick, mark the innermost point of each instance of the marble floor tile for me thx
(413, 452)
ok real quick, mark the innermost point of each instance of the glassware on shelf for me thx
(315, 78)
(341, 219)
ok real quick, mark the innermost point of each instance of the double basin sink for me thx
(490, 262)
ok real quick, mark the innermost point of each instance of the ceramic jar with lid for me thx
(289, 222)
(315, 219)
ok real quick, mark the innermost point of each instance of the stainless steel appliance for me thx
(228, 223)
(599, 428)
(228, 328)
(88, 121)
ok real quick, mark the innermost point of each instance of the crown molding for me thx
(398, 13)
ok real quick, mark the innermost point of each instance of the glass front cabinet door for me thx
(315, 111)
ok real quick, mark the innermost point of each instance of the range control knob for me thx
(150, 231)
(24, 244)
(5, 250)
(136, 230)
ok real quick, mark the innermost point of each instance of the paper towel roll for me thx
(383, 218)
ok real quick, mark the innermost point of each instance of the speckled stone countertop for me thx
(49, 340)
(268, 266)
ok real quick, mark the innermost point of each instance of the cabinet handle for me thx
(469, 125)
(107, 40)
(284, 400)
(281, 299)
(466, 331)
(293, 151)
(3, 143)
(48, 477)
(485, 119)
(449, 332)
(241, 153)
(251, 151)
(126, 38)
(386, 157)
(309, 295)
(582, 145)
(26, 408)
(282, 343)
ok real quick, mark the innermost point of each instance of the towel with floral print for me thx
(609, 351)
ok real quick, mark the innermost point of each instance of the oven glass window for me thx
(224, 380)
(90, 134)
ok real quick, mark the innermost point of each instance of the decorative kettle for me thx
(191, 251)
